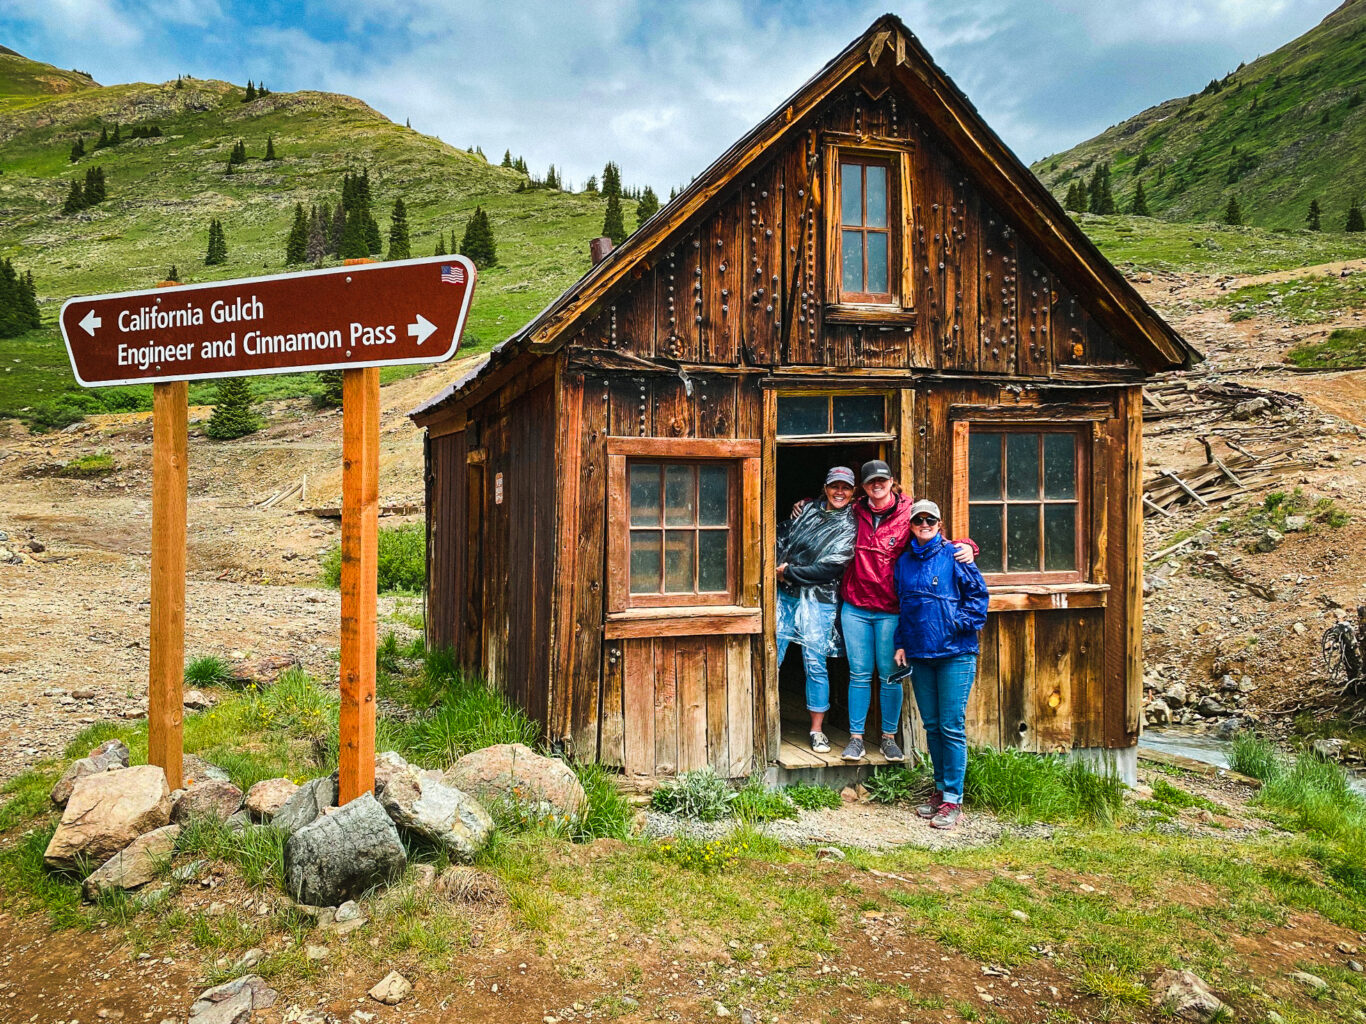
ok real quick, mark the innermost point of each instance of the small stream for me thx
(1204, 747)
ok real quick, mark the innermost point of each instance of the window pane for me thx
(1022, 466)
(645, 574)
(859, 414)
(877, 262)
(876, 178)
(678, 561)
(711, 559)
(984, 526)
(680, 495)
(1059, 466)
(713, 495)
(644, 495)
(852, 280)
(1060, 538)
(809, 414)
(851, 193)
(984, 466)
(1022, 538)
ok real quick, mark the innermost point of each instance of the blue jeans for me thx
(941, 688)
(868, 641)
(817, 672)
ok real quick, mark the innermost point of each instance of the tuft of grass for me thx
(812, 798)
(27, 796)
(1165, 793)
(259, 852)
(1343, 349)
(1042, 787)
(895, 783)
(756, 803)
(700, 794)
(1252, 755)
(207, 670)
(608, 815)
(98, 464)
(1301, 300)
(402, 560)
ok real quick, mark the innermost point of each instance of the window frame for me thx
(897, 304)
(829, 435)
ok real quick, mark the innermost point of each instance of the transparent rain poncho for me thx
(817, 546)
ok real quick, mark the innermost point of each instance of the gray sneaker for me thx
(820, 743)
(948, 816)
(930, 809)
(890, 750)
(854, 751)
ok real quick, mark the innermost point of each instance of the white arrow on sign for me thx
(91, 321)
(422, 329)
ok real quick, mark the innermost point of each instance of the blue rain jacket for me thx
(943, 602)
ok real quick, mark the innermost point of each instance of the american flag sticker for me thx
(452, 274)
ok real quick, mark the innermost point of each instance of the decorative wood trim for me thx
(681, 448)
(1044, 597)
(569, 399)
(809, 439)
(751, 540)
(691, 621)
(1132, 405)
(870, 315)
(958, 515)
(618, 561)
(906, 434)
(907, 224)
(898, 312)
(1032, 415)
(768, 676)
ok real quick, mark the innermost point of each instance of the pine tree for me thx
(261, 90)
(611, 179)
(337, 233)
(317, 237)
(1355, 222)
(238, 154)
(363, 188)
(507, 158)
(94, 186)
(18, 301)
(440, 244)
(330, 395)
(519, 165)
(77, 149)
(270, 148)
(407, 122)
(552, 178)
(374, 243)
(612, 225)
(590, 187)
(1233, 213)
(399, 247)
(217, 251)
(251, 92)
(478, 243)
(673, 193)
(104, 138)
(179, 82)
(173, 274)
(353, 242)
(1101, 200)
(232, 411)
(116, 138)
(75, 198)
(1139, 207)
(296, 245)
(1314, 220)
(229, 170)
(647, 207)
(1077, 199)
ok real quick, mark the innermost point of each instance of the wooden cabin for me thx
(868, 273)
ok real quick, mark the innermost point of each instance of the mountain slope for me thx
(1277, 133)
(21, 79)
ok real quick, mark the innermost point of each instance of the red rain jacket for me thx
(868, 580)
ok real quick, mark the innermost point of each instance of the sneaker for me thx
(948, 816)
(890, 750)
(854, 751)
(930, 809)
(820, 743)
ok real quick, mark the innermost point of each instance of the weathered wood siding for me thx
(447, 543)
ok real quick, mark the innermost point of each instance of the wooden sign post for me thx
(166, 677)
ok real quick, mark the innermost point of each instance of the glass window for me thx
(801, 415)
(1023, 506)
(865, 239)
(680, 530)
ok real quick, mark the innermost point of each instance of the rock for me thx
(241, 820)
(1185, 996)
(1175, 695)
(1310, 981)
(107, 756)
(1300, 628)
(106, 812)
(1251, 409)
(348, 911)
(306, 804)
(341, 855)
(1329, 750)
(423, 875)
(1158, 713)
(315, 952)
(392, 990)
(424, 804)
(830, 853)
(136, 864)
(261, 671)
(1267, 540)
(36, 546)
(849, 795)
(386, 764)
(1354, 966)
(232, 1002)
(1296, 524)
(197, 700)
(267, 797)
(1209, 706)
(1020, 916)
(1228, 728)
(208, 799)
(249, 959)
(515, 774)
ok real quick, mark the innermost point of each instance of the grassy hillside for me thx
(163, 192)
(1286, 129)
(22, 79)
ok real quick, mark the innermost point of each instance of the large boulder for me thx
(267, 797)
(211, 798)
(423, 803)
(108, 755)
(514, 774)
(341, 855)
(233, 1001)
(106, 812)
(307, 804)
(1185, 996)
(136, 864)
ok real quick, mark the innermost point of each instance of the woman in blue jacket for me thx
(943, 604)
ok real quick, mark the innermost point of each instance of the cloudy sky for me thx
(660, 87)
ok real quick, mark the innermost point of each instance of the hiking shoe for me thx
(820, 743)
(890, 750)
(854, 751)
(930, 809)
(948, 816)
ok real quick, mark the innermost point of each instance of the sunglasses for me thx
(924, 521)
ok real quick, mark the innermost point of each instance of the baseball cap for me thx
(925, 505)
(874, 469)
(840, 474)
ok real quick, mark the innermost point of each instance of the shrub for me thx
(100, 464)
(402, 565)
(700, 794)
(755, 803)
(232, 413)
(812, 798)
(893, 784)
(208, 670)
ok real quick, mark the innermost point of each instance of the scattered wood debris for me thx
(1184, 397)
(1221, 477)
(334, 511)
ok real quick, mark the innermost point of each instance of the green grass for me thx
(757, 803)
(1343, 349)
(208, 670)
(1304, 300)
(96, 464)
(258, 852)
(812, 798)
(402, 567)
(699, 794)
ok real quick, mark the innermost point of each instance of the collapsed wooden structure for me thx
(868, 273)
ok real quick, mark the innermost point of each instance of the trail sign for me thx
(377, 314)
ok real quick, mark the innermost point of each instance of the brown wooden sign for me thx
(410, 311)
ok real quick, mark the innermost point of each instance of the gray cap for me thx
(874, 469)
(840, 474)
(925, 505)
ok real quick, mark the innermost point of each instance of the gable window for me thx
(865, 230)
(867, 241)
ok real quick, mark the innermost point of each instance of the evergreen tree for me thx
(440, 244)
(673, 194)
(612, 225)
(1233, 213)
(296, 245)
(330, 395)
(173, 274)
(1077, 199)
(270, 148)
(478, 243)
(238, 154)
(399, 247)
(77, 149)
(1101, 200)
(1139, 207)
(232, 411)
(103, 139)
(337, 233)
(507, 158)
(611, 179)
(18, 301)
(407, 122)
(353, 241)
(217, 251)
(94, 186)
(363, 188)
(1313, 221)
(519, 165)
(251, 92)
(552, 178)
(590, 186)
(317, 237)
(261, 90)
(116, 138)
(179, 82)
(647, 207)
(374, 244)
(75, 198)
(1355, 222)
(229, 169)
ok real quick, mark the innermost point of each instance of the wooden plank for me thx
(612, 733)
(761, 232)
(359, 567)
(1049, 701)
(166, 671)
(639, 701)
(804, 342)
(769, 677)
(717, 705)
(631, 324)
(715, 410)
(905, 434)
(1015, 661)
(673, 409)
(1132, 404)
(678, 291)
(722, 303)
(958, 276)
(690, 668)
(666, 706)
(704, 620)
(997, 294)
(1102, 457)
(1019, 601)
(684, 447)
(568, 456)
(618, 559)
(1088, 686)
(1033, 305)
(739, 706)
(1114, 676)
(957, 512)
(983, 713)
(751, 533)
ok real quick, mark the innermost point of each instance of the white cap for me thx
(925, 505)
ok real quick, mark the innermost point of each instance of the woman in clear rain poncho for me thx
(813, 550)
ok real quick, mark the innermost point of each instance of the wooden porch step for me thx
(794, 751)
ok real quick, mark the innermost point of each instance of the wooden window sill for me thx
(695, 620)
(1032, 597)
(871, 315)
